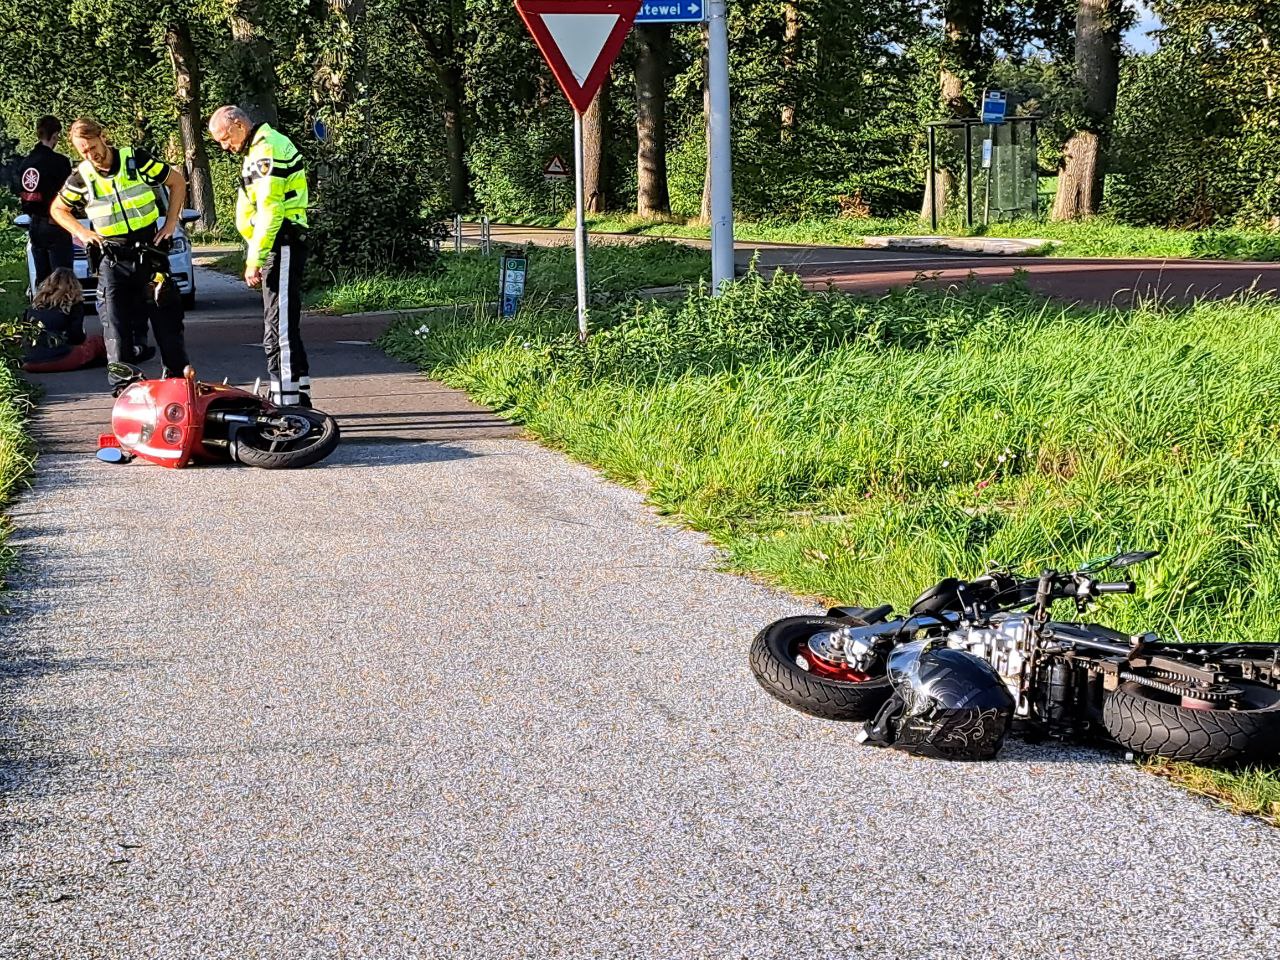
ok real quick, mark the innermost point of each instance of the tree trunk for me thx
(341, 67)
(1084, 159)
(961, 65)
(962, 56)
(186, 77)
(455, 136)
(790, 57)
(652, 198)
(255, 82)
(595, 183)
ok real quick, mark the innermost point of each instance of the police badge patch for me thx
(262, 167)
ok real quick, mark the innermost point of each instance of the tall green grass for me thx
(859, 449)
(17, 453)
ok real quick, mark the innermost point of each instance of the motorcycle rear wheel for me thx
(773, 662)
(255, 448)
(1148, 721)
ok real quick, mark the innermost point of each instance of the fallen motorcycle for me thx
(174, 420)
(975, 659)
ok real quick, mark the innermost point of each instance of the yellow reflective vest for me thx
(122, 202)
(273, 189)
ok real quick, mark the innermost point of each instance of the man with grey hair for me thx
(271, 215)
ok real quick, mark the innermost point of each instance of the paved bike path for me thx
(464, 698)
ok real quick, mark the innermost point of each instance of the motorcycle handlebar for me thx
(1123, 586)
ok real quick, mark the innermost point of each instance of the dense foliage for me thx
(439, 104)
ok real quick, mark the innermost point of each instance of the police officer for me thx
(271, 215)
(43, 173)
(114, 186)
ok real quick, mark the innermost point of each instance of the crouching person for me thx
(58, 312)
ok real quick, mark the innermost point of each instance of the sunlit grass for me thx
(472, 277)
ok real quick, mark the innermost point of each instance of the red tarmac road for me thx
(1092, 280)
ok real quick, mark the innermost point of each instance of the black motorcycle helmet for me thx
(946, 704)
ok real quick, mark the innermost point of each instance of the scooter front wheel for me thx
(298, 438)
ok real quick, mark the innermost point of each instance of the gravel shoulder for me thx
(466, 699)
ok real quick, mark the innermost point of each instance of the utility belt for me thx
(135, 249)
(290, 232)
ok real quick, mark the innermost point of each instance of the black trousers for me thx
(50, 247)
(282, 321)
(127, 299)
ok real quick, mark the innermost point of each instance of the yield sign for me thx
(579, 39)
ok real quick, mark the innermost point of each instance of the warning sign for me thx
(556, 169)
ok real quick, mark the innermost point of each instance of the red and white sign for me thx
(556, 169)
(579, 39)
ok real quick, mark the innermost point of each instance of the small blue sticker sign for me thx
(320, 130)
(514, 267)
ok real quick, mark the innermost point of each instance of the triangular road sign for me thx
(555, 168)
(579, 39)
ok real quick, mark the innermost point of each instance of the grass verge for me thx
(17, 453)
(472, 277)
(859, 449)
(1099, 237)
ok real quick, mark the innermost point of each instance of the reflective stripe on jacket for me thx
(273, 188)
(123, 202)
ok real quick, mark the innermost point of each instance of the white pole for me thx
(580, 234)
(721, 156)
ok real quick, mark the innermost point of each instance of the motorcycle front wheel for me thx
(783, 666)
(305, 437)
(1149, 721)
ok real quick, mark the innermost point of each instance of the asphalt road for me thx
(874, 270)
(453, 695)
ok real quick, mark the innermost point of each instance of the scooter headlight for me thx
(174, 413)
(134, 416)
(173, 435)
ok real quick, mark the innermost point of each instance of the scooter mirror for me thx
(118, 370)
(111, 455)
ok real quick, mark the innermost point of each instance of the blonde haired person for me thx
(58, 311)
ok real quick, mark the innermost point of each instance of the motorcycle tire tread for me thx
(817, 696)
(251, 456)
(1139, 722)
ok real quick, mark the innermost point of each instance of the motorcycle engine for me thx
(1004, 643)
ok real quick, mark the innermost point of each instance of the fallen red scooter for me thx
(176, 420)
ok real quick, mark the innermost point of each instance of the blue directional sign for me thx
(994, 104)
(671, 11)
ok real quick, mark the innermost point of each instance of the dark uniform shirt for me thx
(44, 171)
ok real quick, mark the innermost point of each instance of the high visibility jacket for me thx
(273, 189)
(118, 203)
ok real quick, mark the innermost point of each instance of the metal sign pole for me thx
(580, 234)
(721, 157)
